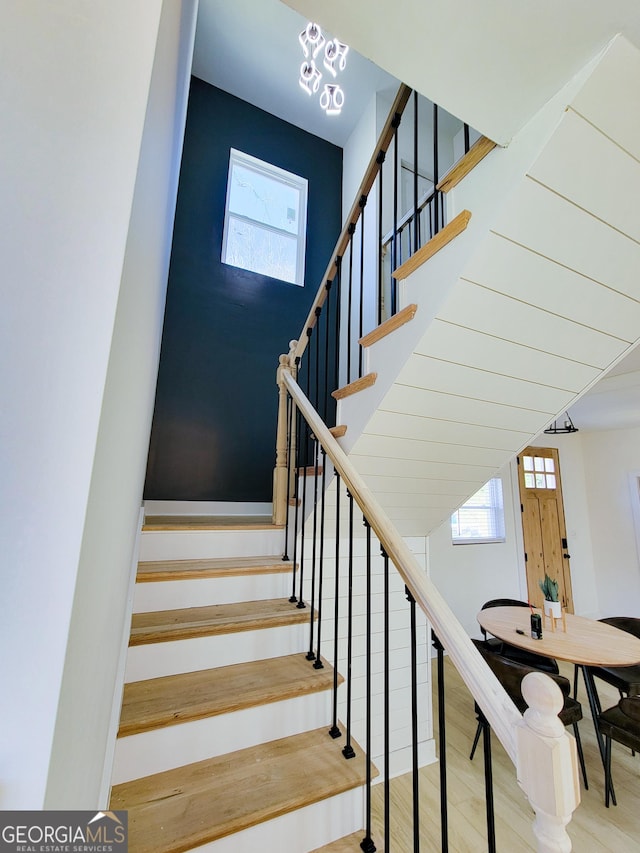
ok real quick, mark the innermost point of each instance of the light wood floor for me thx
(593, 828)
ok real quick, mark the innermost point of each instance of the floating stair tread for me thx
(348, 844)
(209, 522)
(162, 625)
(218, 567)
(159, 702)
(188, 806)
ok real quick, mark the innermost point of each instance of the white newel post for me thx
(287, 363)
(547, 765)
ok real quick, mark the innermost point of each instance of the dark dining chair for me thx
(541, 662)
(622, 724)
(626, 679)
(510, 674)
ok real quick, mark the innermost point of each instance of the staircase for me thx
(223, 742)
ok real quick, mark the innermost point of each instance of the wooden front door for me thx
(543, 525)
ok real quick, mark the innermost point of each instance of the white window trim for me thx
(300, 183)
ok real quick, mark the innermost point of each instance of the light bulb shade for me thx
(312, 40)
(332, 99)
(335, 56)
(310, 77)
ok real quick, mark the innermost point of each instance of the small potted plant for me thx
(549, 589)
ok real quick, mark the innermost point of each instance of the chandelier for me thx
(334, 60)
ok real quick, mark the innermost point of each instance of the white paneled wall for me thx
(399, 638)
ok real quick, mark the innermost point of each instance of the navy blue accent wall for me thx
(213, 434)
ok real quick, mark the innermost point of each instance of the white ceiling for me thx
(250, 48)
(476, 58)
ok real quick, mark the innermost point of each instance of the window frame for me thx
(495, 507)
(240, 158)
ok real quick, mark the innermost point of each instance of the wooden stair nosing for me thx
(173, 699)
(395, 322)
(348, 844)
(208, 522)
(160, 626)
(353, 387)
(172, 811)
(169, 570)
(437, 242)
(478, 151)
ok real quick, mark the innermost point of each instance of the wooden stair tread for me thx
(159, 702)
(430, 248)
(395, 322)
(162, 625)
(180, 809)
(169, 570)
(347, 844)
(365, 381)
(478, 151)
(209, 522)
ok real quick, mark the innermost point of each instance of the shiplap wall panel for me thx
(451, 432)
(452, 342)
(566, 166)
(405, 485)
(511, 269)
(602, 100)
(421, 470)
(427, 451)
(435, 375)
(446, 406)
(557, 229)
(479, 307)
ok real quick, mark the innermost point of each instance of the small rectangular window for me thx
(481, 518)
(265, 220)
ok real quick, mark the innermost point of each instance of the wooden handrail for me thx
(371, 173)
(537, 743)
(498, 708)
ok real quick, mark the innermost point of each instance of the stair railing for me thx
(543, 754)
(358, 290)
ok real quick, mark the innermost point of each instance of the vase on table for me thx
(553, 609)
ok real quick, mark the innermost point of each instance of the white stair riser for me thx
(157, 659)
(298, 831)
(173, 746)
(200, 592)
(202, 544)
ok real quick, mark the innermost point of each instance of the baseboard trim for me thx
(206, 508)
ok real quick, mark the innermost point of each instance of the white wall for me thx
(610, 457)
(76, 79)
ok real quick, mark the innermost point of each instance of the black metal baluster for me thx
(306, 439)
(367, 842)
(414, 721)
(318, 661)
(314, 543)
(285, 556)
(387, 720)
(363, 202)
(380, 161)
(334, 731)
(296, 493)
(327, 327)
(348, 750)
(488, 787)
(466, 138)
(352, 229)
(415, 172)
(394, 254)
(436, 227)
(442, 746)
(336, 383)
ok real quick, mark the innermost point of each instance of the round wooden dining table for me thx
(586, 642)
